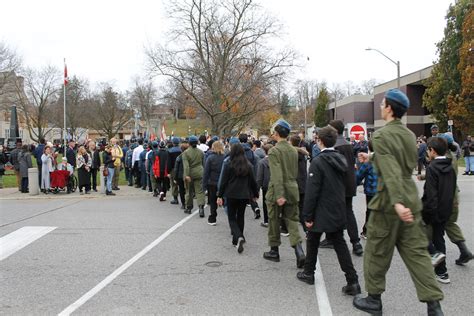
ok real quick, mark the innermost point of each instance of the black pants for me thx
(127, 174)
(94, 178)
(340, 246)
(351, 221)
(212, 200)
(300, 209)
(40, 167)
(236, 214)
(265, 209)
(182, 191)
(368, 198)
(130, 175)
(439, 245)
(87, 187)
(24, 184)
(420, 166)
(137, 174)
(254, 205)
(162, 185)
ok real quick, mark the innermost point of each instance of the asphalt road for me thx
(192, 269)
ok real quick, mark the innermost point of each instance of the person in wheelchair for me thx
(64, 165)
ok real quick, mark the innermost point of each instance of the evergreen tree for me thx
(320, 112)
(285, 104)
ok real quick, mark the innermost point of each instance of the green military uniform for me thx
(283, 161)
(452, 229)
(193, 167)
(394, 159)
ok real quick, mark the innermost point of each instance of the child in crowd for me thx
(366, 173)
(438, 196)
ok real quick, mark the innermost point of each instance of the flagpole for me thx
(65, 130)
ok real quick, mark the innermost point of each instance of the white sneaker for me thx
(437, 258)
(443, 278)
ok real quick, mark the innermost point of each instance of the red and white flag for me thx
(163, 133)
(66, 78)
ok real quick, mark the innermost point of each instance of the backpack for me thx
(156, 167)
(128, 159)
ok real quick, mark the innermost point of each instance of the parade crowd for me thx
(238, 172)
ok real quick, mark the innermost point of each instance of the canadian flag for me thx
(163, 133)
(66, 78)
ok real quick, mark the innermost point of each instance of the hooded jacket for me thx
(438, 191)
(325, 199)
(302, 169)
(345, 148)
(212, 169)
(263, 174)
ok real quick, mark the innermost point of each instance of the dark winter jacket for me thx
(178, 167)
(212, 169)
(367, 174)
(107, 160)
(174, 152)
(260, 153)
(237, 187)
(25, 163)
(438, 191)
(95, 159)
(360, 147)
(15, 158)
(325, 200)
(302, 169)
(345, 149)
(422, 152)
(71, 157)
(251, 157)
(263, 174)
(163, 155)
(39, 152)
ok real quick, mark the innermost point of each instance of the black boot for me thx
(357, 249)
(434, 308)
(371, 304)
(272, 255)
(351, 288)
(201, 210)
(174, 201)
(465, 256)
(188, 210)
(300, 256)
(305, 277)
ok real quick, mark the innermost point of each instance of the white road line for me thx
(96, 289)
(321, 293)
(20, 238)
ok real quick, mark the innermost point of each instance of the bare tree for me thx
(220, 59)
(143, 97)
(35, 96)
(367, 86)
(10, 63)
(108, 112)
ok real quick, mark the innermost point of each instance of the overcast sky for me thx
(104, 40)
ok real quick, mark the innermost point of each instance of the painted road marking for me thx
(84, 298)
(20, 238)
(321, 293)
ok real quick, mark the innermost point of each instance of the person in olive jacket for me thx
(324, 210)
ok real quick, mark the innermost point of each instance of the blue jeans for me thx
(469, 163)
(109, 179)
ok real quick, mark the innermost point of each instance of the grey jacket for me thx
(263, 174)
(24, 161)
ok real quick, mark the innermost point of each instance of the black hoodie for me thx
(438, 192)
(325, 199)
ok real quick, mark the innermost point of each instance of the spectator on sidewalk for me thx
(25, 163)
(46, 169)
(14, 160)
(95, 166)
(84, 162)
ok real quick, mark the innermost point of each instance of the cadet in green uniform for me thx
(452, 229)
(282, 195)
(396, 217)
(193, 159)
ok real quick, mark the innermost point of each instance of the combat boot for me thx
(201, 210)
(272, 255)
(465, 256)
(434, 308)
(174, 201)
(371, 304)
(188, 210)
(300, 256)
(305, 277)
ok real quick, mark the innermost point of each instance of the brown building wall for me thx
(415, 94)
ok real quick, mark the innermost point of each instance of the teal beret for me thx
(398, 96)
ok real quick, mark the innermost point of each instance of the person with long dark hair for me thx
(238, 186)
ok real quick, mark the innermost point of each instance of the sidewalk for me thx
(14, 194)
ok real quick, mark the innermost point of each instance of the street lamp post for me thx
(397, 63)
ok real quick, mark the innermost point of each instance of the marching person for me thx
(468, 153)
(135, 163)
(282, 195)
(174, 152)
(395, 219)
(212, 171)
(263, 180)
(179, 169)
(302, 174)
(324, 210)
(192, 172)
(160, 167)
(238, 186)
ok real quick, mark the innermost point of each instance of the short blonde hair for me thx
(82, 150)
(218, 147)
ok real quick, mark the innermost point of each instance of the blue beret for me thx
(176, 140)
(448, 137)
(215, 138)
(154, 144)
(193, 138)
(234, 140)
(284, 124)
(398, 96)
